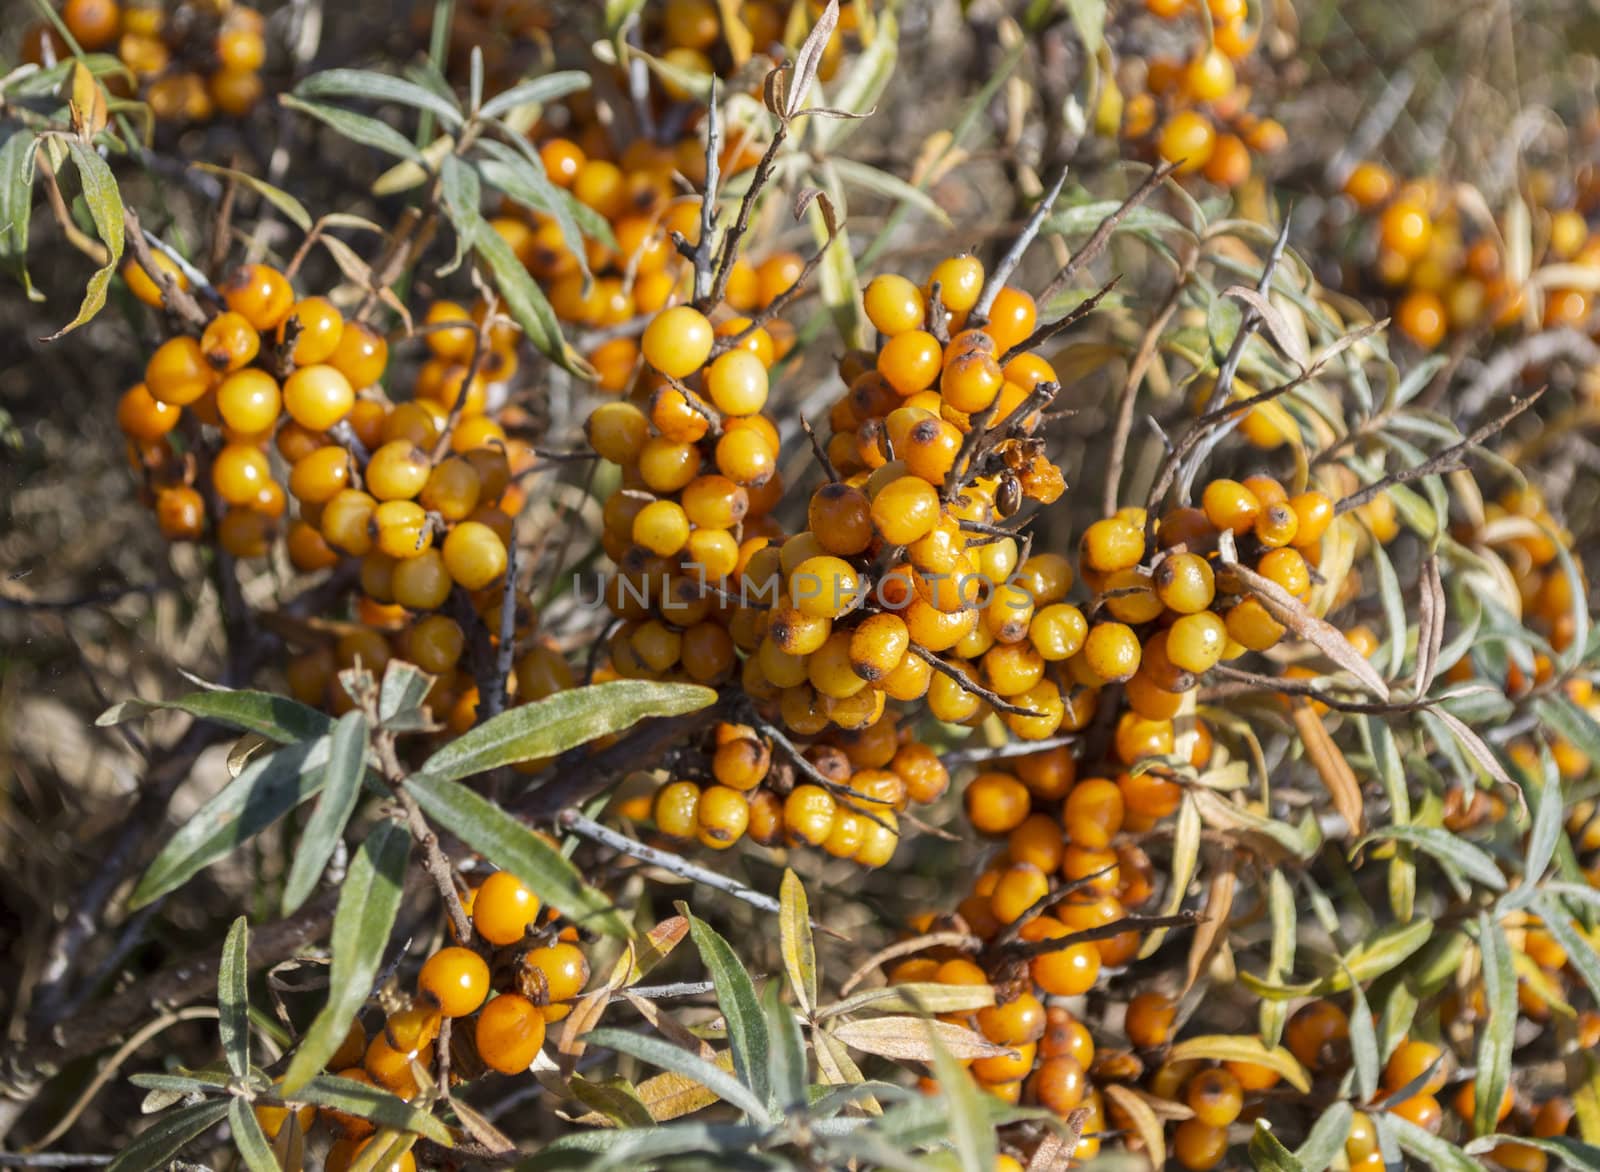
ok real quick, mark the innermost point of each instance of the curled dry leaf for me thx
(1331, 766)
(1323, 635)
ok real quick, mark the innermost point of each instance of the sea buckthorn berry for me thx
(435, 643)
(317, 397)
(618, 432)
(1250, 625)
(239, 472)
(180, 513)
(563, 970)
(971, 382)
(1015, 1023)
(451, 332)
(677, 341)
(1230, 505)
(1313, 514)
(910, 361)
(261, 294)
(1369, 184)
(1423, 1110)
(397, 471)
(1058, 632)
(1405, 229)
(1199, 1146)
(737, 383)
(878, 645)
(808, 814)
(996, 803)
(1410, 1061)
(841, 517)
(1187, 139)
(474, 554)
(320, 476)
(1112, 544)
(1112, 651)
(746, 457)
(420, 583)
(346, 521)
(456, 980)
(509, 1033)
(1287, 568)
(308, 552)
(1021, 886)
(503, 909)
(721, 817)
(1149, 1020)
(178, 373)
(741, 763)
(905, 510)
(452, 489)
(923, 773)
(825, 587)
(404, 530)
(93, 23)
(1215, 1097)
(1093, 813)
(249, 401)
(142, 416)
(143, 286)
(894, 304)
(230, 342)
(1196, 642)
(676, 809)
(362, 354)
(661, 527)
(960, 281)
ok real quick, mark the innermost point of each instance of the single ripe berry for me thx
(677, 341)
(435, 643)
(456, 980)
(397, 471)
(1215, 1097)
(509, 1033)
(1199, 1146)
(314, 326)
(1149, 1019)
(910, 361)
(474, 555)
(1196, 642)
(317, 397)
(562, 968)
(825, 587)
(737, 383)
(320, 476)
(404, 530)
(1209, 76)
(143, 286)
(894, 304)
(906, 510)
(180, 513)
(841, 517)
(259, 293)
(239, 472)
(142, 416)
(178, 373)
(230, 342)
(1187, 139)
(996, 803)
(503, 909)
(960, 281)
(721, 818)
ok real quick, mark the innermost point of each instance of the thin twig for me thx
(177, 300)
(729, 252)
(819, 451)
(584, 827)
(1093, 246)
(1446, 461)
(1013, 257)
(968, 684)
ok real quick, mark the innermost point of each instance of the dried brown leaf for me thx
(1323, 635)
(1331, 766)
(904, 1037)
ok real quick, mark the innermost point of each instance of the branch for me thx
(1096, 243)
(1013, 257)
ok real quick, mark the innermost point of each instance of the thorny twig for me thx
(1093, 246)
(968, 684)
(1013, 257)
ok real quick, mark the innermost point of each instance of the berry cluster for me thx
(521, 973)
(420, 492)
(1193, 112)
(188, 61)
(1450, 273)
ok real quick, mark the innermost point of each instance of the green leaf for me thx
(1571, 722)
(741, 1007)
(507, 843)
(561, 722)
(526, 301)
(669, 1057)
(341, 786)
(379, 87)
(520, 175)
(277, 718)
(268, 789)
(614, 1098)
(970, 1129)
(249, 1138)
(799, 949)
(1440, 1155)
(156, 1146)
(368, 903)
(1452, 853)
(16, 206)
(1580, 954)
(359, 128)
(1365, 1057)
(293, 210)
(1495, 1035)
(1089, 16)
(888, 186)
(538, 89)
(618, 11)
(233, 997)
(1267, 1153)
(372, 1104)
(1326, 1138)
(1285, 922)
(104, 202)
(462, 196)
(1574, 1154)
(401, 693)
(788, 1066)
